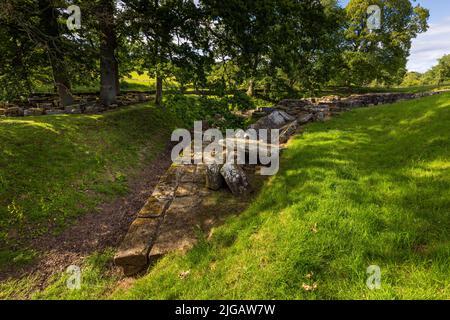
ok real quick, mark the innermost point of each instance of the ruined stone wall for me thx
(47, 104)
(189, 196)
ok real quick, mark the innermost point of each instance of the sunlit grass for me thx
(371, 187)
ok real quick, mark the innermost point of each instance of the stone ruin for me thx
(189, 197)
(49, 104)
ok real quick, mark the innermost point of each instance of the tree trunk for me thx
(108, 63)
(52, 42)
(159, 91)
(62, 82)
(251, 88)
(116, 69)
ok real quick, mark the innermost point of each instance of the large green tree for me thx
(242, 31)
(294, 40)
(166, 38)
(380, 55)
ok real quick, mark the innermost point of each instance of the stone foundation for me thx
(47, 104)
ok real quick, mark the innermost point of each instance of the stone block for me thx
(132, 254)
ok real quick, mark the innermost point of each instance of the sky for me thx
(428, 47)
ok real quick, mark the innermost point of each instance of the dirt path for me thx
(93, 232)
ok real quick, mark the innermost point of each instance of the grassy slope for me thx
(369, 188)
(53, 168)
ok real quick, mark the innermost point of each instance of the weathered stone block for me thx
(178, 229)
(214, 179)
(236, 179)
(186, 189)
(132, 254)
(53, 112)
(154, 208)
(275, 120)
(305, 118)
(74, 109)
(33, 112)
(14, 112)
(287, 131)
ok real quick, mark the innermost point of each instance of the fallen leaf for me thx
(308, 287)
(184, 274)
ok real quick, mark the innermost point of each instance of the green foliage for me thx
(443, 69)
(437, 75)
(217, 111)
(412, 79)
(241, 101)
(380, 55)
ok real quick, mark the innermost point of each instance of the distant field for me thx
(137, 82)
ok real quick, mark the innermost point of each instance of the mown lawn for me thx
(371, 187)
(54, 168)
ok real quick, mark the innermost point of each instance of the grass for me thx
(368, 188)
(54, 168)
(96, 280)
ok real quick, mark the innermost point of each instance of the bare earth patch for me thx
(92, 232)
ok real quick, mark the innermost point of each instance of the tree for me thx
(295, 40)
(167, 36)
(109, 68)
(379, 55)
(50, 37)
(306, 43)
(242, 32)
(18, 62)
(412, 79)
(443, 69)
(39, 22)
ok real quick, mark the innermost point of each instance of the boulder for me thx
(45, 105)
(236, 179)
(74, 109)
(54, 111)
(294, 103)
(214, 179)
(279, 118)
(287, 131)
(132, 254)
(141, 97)
(33, 112)
(275, 120)
(305, 118)
(14, 112)
(320, 116)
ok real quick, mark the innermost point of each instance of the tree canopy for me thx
(269, 45)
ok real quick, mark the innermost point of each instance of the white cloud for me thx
(428, 47)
